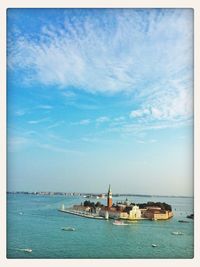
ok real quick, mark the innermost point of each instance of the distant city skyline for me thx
(98, 97)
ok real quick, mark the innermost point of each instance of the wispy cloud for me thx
(84, 122)
(141, 127)
(102, 119)
(151, 141)
(99, 120)
(69, 94)
(143, 45)
(45, 107)
(167, 104)
(121, 118)
(145, 53)
(38, 121)
(82, 106)
(51, 142)
(58, 139)
(139, 113)
(20, 113)
(56, 124)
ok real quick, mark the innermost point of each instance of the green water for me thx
(34, 222)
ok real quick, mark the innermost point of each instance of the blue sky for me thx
(98, 97)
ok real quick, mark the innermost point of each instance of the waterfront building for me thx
(156, 213)
(109, 198)
(133, 214)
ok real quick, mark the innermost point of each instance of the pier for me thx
(82, 214)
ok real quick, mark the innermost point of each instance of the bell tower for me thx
(109, 197)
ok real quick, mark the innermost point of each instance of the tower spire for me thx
(109, 197)
(109, 188)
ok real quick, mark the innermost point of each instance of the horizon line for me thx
(96, 194)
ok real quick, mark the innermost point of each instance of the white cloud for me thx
(84, 122)
(33, 122)
(151, 112)
(20, 113)
(54, 125)
(45, 107)
(167, 104)
(141, 126)
(121, 118)
(102, 119)
(133, 48)
(69, 94)
(139, 113)
(156, 113)
(146, 53)
(38, 121)
(82, 106)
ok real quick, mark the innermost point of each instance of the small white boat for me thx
(116, 222)
(177, 233)
(26, 250)
(154, 245)
(68, 229)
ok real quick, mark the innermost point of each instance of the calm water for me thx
(34, 222)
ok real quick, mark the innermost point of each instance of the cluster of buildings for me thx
(124, 210)
(100, 196)
(47, 193)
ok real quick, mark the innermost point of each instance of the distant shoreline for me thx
(43, 193)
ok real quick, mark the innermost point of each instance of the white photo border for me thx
(4, 5)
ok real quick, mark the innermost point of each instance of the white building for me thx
(135, 213)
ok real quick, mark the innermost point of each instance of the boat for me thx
(116, 222)
(177, 233)
(183, 221)
(29, 250)
(154, 245)
(68, 229)
(191, 216)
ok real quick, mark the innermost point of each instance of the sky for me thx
(98, 97)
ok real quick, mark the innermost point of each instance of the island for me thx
(125, 210)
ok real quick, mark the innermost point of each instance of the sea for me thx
(34, 222)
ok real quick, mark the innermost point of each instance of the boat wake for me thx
(177, 233)
(119, 223)
(68, 229)
(28, 250)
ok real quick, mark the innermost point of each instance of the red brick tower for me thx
(109, 198)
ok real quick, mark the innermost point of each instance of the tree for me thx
(98, 204)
